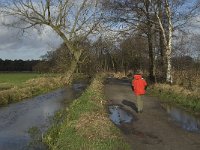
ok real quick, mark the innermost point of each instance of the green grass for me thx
(176, 95)
(17, 78)
(85, 125)
(8, 80)
(15, 87)
(71, 140)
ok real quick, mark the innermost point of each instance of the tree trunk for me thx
(67, 78)
(150, 44)
(169, 49)
(169, 66)
(76, 53)
(162, 66)
(151, 56)
(113, 63)
(162, 55)
(72, 68)
(167, 41)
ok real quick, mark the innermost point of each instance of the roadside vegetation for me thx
(185, 91)
(15, 87)
(85, 124)
(10, 79)
(177, 95)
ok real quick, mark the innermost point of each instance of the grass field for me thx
(15, 87)
(17, 78)
(8, 80)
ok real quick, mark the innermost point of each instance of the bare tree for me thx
(156, 19)
(170, 18)
(133, 16)
(166, 29)
(72, 20)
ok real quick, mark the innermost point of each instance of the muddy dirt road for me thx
(153, 129)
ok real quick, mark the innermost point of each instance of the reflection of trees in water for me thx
(186, 120)
(119, 116)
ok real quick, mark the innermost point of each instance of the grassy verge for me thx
(29, 89)
(15, 87)
(85, 125)
(175, 94)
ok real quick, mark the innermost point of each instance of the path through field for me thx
(153, 129)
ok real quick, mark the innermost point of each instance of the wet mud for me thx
(155, 128)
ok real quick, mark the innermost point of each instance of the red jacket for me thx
(139, 85)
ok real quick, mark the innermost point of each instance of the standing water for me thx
(17, 119)
(187, 121)
(119, 116)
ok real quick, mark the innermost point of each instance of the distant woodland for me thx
(18, 65)
(159, 38)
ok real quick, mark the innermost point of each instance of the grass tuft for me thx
(94, 126)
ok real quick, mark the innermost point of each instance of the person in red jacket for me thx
(139, 86)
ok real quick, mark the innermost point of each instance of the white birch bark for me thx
(167, 41)
(169, 46)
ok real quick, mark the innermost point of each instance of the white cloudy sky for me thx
(31, 45)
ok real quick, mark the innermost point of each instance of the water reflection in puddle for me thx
(119, 116)
(186, 120)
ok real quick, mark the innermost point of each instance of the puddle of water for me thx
(186, 120)
(79, 87)
(119, 116)
(16, 119)
(111, 80)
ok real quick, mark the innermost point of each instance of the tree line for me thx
(117, 35)
(18, 65)
(104, 55)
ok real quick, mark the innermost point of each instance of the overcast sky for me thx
(30, 45)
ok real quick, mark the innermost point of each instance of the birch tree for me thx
(72, 20)
(166, 29)
(168, 18)
(156, 19)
